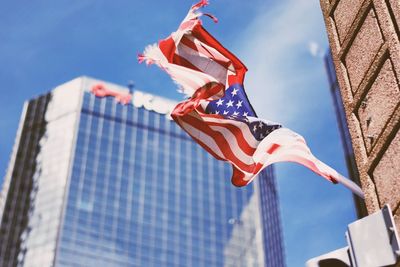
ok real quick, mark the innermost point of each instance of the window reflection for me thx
(144, 194)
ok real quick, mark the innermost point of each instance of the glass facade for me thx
(17, 208)
(270, 214)
(122, 185)
(35, 183)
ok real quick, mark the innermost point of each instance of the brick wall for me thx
(364, 39)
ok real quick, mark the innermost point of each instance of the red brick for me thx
(395, 7)
(379, 105)
(363, 50)
(386, 174)
(344, 16)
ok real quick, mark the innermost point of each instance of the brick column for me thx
(364, 39)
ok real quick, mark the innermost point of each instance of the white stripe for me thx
(202, 62)
(197, 77)
(293, 148)
(189, 80)
(248, 136)
(290, 144)
(233, 145)
(214, 52)
(180, 74)
(205, 139)
(244, 159)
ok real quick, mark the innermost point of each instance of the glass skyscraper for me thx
(344, 132)
(92, 182)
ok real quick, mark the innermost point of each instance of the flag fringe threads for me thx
(217, 114)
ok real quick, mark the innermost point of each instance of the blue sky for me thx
(46, 43)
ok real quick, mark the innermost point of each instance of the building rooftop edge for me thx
(92, 80)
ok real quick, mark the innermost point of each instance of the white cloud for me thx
(315, 49)
(282, 75)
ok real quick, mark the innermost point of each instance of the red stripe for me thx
(199, 4)
(200, 109)
(244, 145)
(220, 140)
(273, 148)
(238, 176)
(207, 91)
(167, 47)
(178, 121)
(178, 60)
(189, 43)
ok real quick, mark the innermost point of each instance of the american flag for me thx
(217, 114)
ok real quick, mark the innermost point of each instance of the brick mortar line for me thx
(369, 77)
(384, 141)
(356, 25)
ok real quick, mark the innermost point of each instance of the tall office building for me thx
(92, 182)
(344, 131)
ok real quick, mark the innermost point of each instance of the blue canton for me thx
(235, 105)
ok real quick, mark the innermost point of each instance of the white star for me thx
(239, 103)
(234, 91)
(260, 124)
(217, 112)
(226, 112)
(245, 114)
(235, 113)
(229, 104)
(219, 102)
(254, 128)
